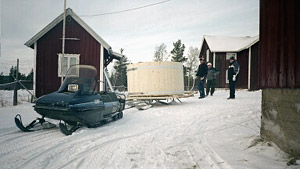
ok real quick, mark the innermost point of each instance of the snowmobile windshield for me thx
(81, 79)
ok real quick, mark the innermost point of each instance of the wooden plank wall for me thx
(279, 59)
(243, 60)
(221, 65)
(254, 67)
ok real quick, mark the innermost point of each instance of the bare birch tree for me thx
(160, 53)
(192, 62)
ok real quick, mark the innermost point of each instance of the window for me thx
(207, 55)
(229, 55)
(68, 61)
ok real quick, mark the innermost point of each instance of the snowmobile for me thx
(77, 103)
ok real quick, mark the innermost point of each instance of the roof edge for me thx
(202, 45)
(42, 32)
(243, 48)
(58, 19)
(252, 43)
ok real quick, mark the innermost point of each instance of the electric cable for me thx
(125, 10)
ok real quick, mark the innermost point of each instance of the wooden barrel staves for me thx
(155, 79)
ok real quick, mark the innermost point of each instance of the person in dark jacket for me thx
(233, 75)
(211, 79)
(201, 74)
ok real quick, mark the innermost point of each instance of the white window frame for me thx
(207, 55)
(229, 55)
(69, 56)
(227, 81)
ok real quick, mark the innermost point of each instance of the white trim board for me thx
(214, 60)
(207, 55)
(34, 68)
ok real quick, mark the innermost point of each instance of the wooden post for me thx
(101, 88)
(189, 78)
(249, 69)
(15, 98)
(63, 44)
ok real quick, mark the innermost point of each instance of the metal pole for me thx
(108, 81)
(63, 43)
(15, 99)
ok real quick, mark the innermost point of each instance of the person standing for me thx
(233, 75)
(211, 79)
(201, 74)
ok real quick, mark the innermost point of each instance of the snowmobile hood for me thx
(55, 98)
(67, 101)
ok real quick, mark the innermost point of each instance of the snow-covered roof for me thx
(229, 43)
(69, 11)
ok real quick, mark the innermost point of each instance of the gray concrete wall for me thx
(281, 118)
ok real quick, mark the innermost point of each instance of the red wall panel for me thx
(243, 60)
(279, 59)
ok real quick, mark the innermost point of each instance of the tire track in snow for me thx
(200, 152)
(20, 150)
(97, 146)
(61, 148)
(18, 141)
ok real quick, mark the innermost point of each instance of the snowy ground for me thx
(208, 133)
(6, 97)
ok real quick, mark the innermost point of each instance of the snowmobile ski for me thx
(38, 124)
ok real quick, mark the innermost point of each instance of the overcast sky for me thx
(138, 32)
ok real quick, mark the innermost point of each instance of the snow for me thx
(208, 133)
(6, 97)
(229, 44)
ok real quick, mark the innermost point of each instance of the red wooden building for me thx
(279, 70)
(82, 46)
(218, 50)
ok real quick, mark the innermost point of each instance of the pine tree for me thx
(177, 56)
(1, 78)
(12, 73)
(177, 52)
(119, 75)
(30, 75)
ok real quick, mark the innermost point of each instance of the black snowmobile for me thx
(77, 103)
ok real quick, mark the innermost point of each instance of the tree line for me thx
(13, 74)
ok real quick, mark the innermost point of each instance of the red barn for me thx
(218, 50)
(279, 73)
(82, 46)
